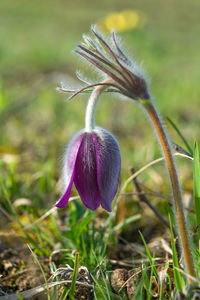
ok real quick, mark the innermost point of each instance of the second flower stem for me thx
(176, 190)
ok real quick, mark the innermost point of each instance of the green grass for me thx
(37, 39)
(179, 282)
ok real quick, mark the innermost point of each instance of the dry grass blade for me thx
(17, 274)
(144, 199)
(41, 289)
(141, 170)
(48, 213)
(4, 212)
(188, 276)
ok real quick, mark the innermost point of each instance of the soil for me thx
(17, 269)
(19, 272)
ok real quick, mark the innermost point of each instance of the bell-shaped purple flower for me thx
(93, 163)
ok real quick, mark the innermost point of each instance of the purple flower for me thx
(93, 162)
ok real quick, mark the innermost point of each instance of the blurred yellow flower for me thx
(121, 21)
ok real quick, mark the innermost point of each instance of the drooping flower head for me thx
(92, 162)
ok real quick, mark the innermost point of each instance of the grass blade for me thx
(177, 276)
(180, 135)
(40, 266)
(149, 255)
(126, 221)
(100, 289)
(74, 276)
(139, 291)
(196, 176)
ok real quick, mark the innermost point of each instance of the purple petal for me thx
(108, 160)
(69, 167)
(85, 177)
(63, 201)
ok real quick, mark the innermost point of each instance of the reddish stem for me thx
(177, 196)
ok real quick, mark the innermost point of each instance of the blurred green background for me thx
(36, 43)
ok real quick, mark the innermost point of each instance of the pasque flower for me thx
(92, 162)
(125, 77)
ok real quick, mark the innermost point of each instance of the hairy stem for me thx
(91, 107)
(176, 190)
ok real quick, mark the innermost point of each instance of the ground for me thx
(37, 39)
